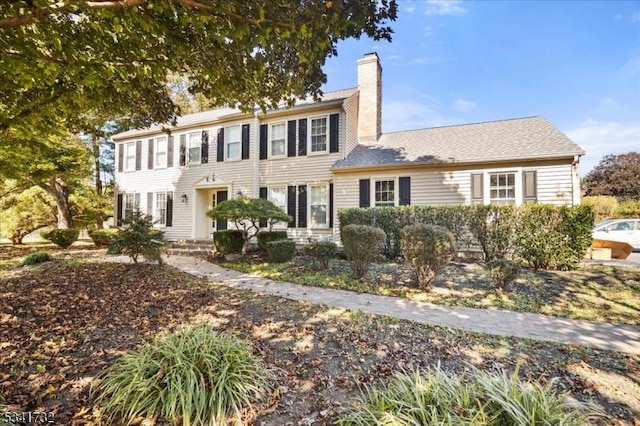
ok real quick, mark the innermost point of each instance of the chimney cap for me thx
(370, 54)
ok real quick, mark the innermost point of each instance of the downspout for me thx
(575, 187)
(255, 190)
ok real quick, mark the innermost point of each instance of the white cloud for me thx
(444, 7)
(410, 9)
(407, 112)
(635, 17)
(632, 67)
(599, 139)
(463, 106)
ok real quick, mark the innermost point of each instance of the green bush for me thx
(551, 237)
(281, 250)
(427, 248)
(139, 238)
(494, 228)
(503, 272)
(322, 251)
(265, 237)
(362, 245)
(103, 237)
(63, 237)
(36, 257)
(228, 241)
(44, 235)
(627, 209)
(193, 376)
(604, 206)
(477, 398)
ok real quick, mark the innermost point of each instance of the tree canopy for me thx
(615, 175)
(61, 59)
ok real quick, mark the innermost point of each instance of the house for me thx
(318, 157)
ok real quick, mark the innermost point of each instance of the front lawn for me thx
(597, 293)
(62, 322)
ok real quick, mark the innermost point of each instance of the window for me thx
(502, 188)
(278, 196)
(318, 206)
(277, 140)
(194, 148)
(232, 143)
(129, 205)
(385, 193)
(160, 208)
(130, 156)
(319, 134)
(160, 152)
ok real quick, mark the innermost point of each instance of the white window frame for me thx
(127, 156)
(396, 193)
(284, 140)
(310, 223)
(517, 197)
(157, 151)
(486, 183)
(197, 144)
(310, 135)
(129, 205)
(228, 141)
(160, 213)
(283, 188)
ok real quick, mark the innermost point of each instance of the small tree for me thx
(427, 248)
(24, 212)
(247, 213)
(138, 237)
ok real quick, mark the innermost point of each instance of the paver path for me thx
(622, 338)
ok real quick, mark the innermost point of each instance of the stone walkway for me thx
(622, 338)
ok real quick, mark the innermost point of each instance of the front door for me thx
(213, 195)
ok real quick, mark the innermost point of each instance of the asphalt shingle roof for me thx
(514, 139)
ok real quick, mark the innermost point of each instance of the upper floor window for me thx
(232, 136)
(130, 156)
(318, 202)
(385, 193)
(318, 134)
(160, 152)
(277, 148)
(194, 148)
(160, 208)
(502, 188)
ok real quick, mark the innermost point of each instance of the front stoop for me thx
(199, 248)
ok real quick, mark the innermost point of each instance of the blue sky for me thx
(577, 63)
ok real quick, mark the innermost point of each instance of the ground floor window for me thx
(385, 193)
(278, 196)
(502, 188)
(130, 205)
(318, 202)
(160, 208)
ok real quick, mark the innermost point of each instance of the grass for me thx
(597, 293)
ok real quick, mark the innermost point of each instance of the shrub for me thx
(603, 206)
(138, 237)
(479, 398)
(103, 237)
(427, 248)
(322, 251)
(503, 272)
(494, 227)
(281, 250)
(228, 241)
(362, 245)
(44, 235)
(192, 376)
(265, 237)
(36, 257)
(63, 237)
(629, 208)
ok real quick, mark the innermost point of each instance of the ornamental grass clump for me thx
(194, 376)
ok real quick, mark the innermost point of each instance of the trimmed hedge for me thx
(63, 237)
(228, 241)
(265, 237)
(494, 228)
(281, 250)
(323, 251)
(103, 237)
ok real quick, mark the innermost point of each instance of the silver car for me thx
(622, 230)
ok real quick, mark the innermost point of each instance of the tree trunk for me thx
(60, 192)
(97, 169)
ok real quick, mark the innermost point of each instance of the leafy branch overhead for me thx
(59, 59)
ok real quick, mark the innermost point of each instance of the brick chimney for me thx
(370, 98)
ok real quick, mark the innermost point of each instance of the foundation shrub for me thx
(228, 241)
(281, 250)
(362, 245)
(103, 237)
(494, 228)
(265, 237)
(322, 251)
(427, 248)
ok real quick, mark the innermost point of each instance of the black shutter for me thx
(263, 195)
(405, 191)
(330, 205)
(204, 147)
(302, 136)
(169, 215)
(150, 158)
(245, 141)
(365, 193)
(120, 156)
(150, 203)
(183, 150)
(334, 131)
(291, 138)
(264, 134)
(119, 210)
(291, 205)
(138, 155)
(220, 153)
(530, 186)
(302, 206)
(477, 193)
(221, 196)
(170, 152)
